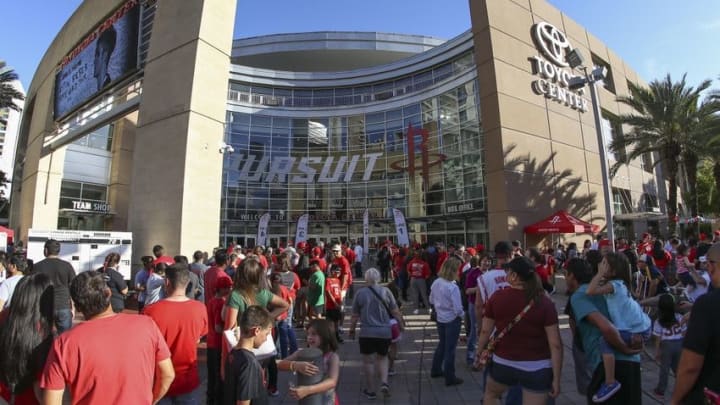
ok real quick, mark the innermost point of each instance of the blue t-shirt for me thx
(584, 305)
(625, 312)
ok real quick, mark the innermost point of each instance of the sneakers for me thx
(273, 391)
(606, 391)
(369, 395)
(385, 389)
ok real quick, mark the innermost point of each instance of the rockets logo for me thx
(425, 155)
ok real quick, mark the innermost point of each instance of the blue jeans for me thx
(626, 336)
(191, 398)
(286, 334)
(444, 358)
(63, 320)
(472, 336)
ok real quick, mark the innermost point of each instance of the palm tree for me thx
(8, 92)
(702, 126)
(663, 118)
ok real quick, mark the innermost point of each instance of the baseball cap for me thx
(522, 266)
(224, 283)
(702, 259)
(336, 248)
(471, 251)
(604, 242)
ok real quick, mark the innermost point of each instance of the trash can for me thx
(314, 356)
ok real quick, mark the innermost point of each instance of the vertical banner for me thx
(261, 239)
(401, 228)
(302, 226)
(366, 231)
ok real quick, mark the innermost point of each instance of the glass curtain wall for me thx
(424, 159)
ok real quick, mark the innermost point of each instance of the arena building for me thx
(146, 116)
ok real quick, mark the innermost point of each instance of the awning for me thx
(9, 232)
(561, 222)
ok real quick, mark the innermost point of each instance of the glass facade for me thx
(424, 158)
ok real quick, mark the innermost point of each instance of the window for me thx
(650, 203)
(621, 201)
(608, 82)
(612, 132)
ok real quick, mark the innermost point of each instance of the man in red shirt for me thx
(346, 278)
(333, 301)
(159, 253)
(419, 272)
(108, 359)
(214, 340)
(214, 273)
(182, 321)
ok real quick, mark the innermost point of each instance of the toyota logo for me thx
(552, 42)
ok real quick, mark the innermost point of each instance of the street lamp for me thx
(575, 60)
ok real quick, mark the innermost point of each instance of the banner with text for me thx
(262, 230)
(302, 227)
(366, 231)
(401, 228)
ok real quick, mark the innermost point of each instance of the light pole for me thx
(599, 73)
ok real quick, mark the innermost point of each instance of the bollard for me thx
(314, 356)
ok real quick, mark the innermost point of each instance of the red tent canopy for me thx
(10, 233)
(561, 222)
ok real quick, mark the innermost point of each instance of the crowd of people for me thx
(74, 332)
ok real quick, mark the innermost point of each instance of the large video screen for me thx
(106, 55)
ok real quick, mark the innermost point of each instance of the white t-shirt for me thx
(676, 332)
(7, 288)
(491, 281)
(358, 253)
(694, 293)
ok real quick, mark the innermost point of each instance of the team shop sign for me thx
(553, 68)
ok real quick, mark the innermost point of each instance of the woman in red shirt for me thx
(25, 339)
(529, 355)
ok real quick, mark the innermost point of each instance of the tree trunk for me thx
(716, 175)
(691, 168)
(672, 170)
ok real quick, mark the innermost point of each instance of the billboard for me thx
(102, 58)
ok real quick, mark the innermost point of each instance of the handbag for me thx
(394, 327)
(487, 353)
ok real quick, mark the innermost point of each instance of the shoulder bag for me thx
(487, 353)
(394, 327)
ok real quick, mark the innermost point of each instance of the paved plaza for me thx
(413, 386)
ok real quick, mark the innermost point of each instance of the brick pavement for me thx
(413, 386)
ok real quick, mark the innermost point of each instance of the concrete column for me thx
(121, 170)
(175, 192)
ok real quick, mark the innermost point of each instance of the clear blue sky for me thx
(654, 36)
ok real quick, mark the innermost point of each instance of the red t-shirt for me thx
(332, 289)
(107, 361)
(164, 259)
(345, 273)
(543, 271)
(263, 261)
(182, 323)
(662, 264)
(527, 341)
(214, 309)
(417, 268)
(442, 256)
(211, 277)
(287, 296)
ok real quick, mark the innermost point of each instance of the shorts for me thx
(369, 345)
(539, 381)
(319, 309)
(333, 314)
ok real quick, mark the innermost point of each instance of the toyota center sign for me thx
(553, 69)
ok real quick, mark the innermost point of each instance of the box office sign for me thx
(553, 69)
